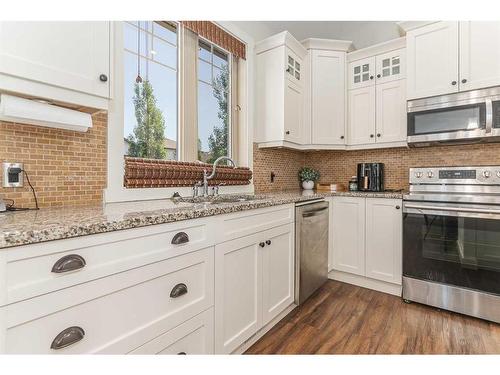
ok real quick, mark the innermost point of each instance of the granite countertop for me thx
(29, 227)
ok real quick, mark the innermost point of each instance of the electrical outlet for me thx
(12, 175)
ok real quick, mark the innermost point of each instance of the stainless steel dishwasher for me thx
(311, 247)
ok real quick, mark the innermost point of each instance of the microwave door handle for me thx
(489, 115)
(454, 209)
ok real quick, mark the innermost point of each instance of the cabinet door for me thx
(391, 111)
(383, 239)
(238, 292)
(362, 73)
(361, 112)
(71, 55)
(432, 65)
(328, 97)
(278, 271)
(391, 66)
(293, 112)
(348, 228)
(479, 54)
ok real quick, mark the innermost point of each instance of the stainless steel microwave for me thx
(470, 116)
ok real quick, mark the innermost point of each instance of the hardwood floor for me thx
(345, 319)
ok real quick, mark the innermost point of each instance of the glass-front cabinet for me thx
(293, 66)
(390, 66)
(362, 73)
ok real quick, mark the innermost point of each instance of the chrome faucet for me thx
(206, 177)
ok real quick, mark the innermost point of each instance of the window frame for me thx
(242, 137)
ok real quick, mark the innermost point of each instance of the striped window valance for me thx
(217, 35)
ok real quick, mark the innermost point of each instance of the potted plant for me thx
(308, 177)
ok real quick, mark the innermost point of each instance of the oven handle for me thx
(454, 209)
(489, 115)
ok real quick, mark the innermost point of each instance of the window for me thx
(150, 89)
(213, 102)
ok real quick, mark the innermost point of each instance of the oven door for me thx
(455, 244)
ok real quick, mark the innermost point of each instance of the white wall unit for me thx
(246, 297)
(293, 112)
(62, 61)
(366, 246)
(479, 54)
(432, 60)
(362, 116)
(348, 226)
(377, 98)
(327, 99)
(384, 239)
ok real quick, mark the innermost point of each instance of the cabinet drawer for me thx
(119, 321)
(43, 268)
(253, 221)
(196, 336)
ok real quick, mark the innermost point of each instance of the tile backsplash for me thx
(339, 166)
(66, 168)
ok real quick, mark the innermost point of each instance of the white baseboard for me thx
(252, 340)
(366, 282)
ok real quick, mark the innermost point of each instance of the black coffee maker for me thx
(371, 176)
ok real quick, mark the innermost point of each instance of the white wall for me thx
(361, 33)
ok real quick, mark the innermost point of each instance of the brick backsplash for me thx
(66, 168)
(339, 166)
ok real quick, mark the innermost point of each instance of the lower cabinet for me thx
(254, 282)
(367, 237)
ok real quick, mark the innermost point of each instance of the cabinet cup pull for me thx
(67, 337)
(103, 78)
(268, 242)
(68, 263)
(179, 290)
(180, 238)
(182, 353)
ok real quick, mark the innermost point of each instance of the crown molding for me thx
(328, 44)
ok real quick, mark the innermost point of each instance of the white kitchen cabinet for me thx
(254, 282)
(377, 107)
(432, 66)
(278, 272)
(63, 61)
(362, 73)
(384, 239)
(362, 116)
(391, 111)
(479, 54)
(327, 97)
(348, 226)
(280, 93)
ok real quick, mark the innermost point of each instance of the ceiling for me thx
(361, 33)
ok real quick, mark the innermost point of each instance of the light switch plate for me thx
(6, 182)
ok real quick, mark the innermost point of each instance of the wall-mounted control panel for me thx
(12, 174)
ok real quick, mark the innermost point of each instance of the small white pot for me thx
(308, 185)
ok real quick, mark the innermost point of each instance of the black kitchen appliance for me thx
(371, 176)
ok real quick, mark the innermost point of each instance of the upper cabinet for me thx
(362, 73)
(450, 56)
(325, 122)
(280, 91)
(61, 61)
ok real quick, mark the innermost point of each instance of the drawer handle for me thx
(180, 238)
(178, 290)
(182, 353)
(68, 263)
(67, 337)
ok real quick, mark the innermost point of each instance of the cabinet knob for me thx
(287, 132)
(67, 337)
(342, 137)
(288, 70)
(371, 135)
(397, 207)
(103, 78)
(378, 76)
(262, 244)
(371, 77)
(464, 80)
(68, 263)
(379, 135)
(268, 242)
(453, 83)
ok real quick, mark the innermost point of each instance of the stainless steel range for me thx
(451, 239)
